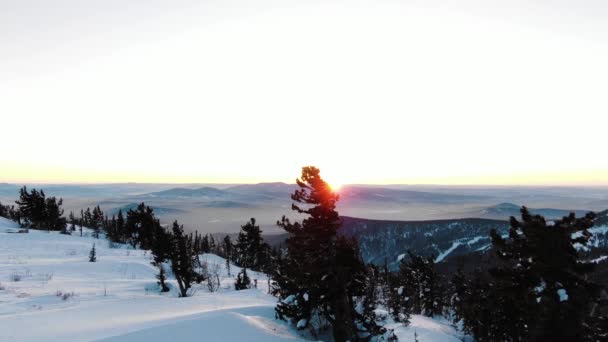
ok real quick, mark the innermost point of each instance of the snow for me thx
(447, 252)
(116, 298)
(63, 297)
(400, 257)
(599, 230)
(600, 259)
(301, 323)
(428, 329)
(475, 240)
(541, 287)
(563, 295)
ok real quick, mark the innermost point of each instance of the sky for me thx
(381, 92)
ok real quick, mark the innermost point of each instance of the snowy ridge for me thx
(50, 292)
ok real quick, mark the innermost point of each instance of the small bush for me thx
(15, 277)
(213, 278)
(65, 295)
(242, 281)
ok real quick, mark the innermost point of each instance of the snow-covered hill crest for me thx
(49, 291)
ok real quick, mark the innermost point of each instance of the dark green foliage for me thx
(370, 300)
(183, 260)
(419, 286)
(228, 252)
(37, 211)
(242, 281)
(321, 273)
(93, 254)
(520, 298)
(458, 293)
(250, 249)
(9, 212)
(140, 227)
(97, 221)
(205, 248)
(72, 221)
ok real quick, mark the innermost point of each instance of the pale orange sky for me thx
(483, 92)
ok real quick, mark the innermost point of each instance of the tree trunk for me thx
(183, 291)
(344, 321)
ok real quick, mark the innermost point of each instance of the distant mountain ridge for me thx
(510, 209)
(186, 192)
(132, 206)
(354, 193)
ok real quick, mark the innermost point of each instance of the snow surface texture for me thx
(50, 292)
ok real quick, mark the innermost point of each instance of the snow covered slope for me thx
(50, 292)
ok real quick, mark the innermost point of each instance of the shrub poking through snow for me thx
(65, 295)
(213, 277)
(15, 277)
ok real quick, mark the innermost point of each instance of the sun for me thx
(335, 187)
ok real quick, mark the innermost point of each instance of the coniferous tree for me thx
(205, 244)
(93, 254)
(37, 211)
(212, 245)
(140, 226)
(96, 221)
(251, 251)
(321, 272)
(542, 267)
(72, 220)
(88, 217)
(242, 280)
(161, 248)
(120, 227)
(458, 294)
(228, 252)
(81, 221)
(369, 303)
(182, 259)
(419, 287)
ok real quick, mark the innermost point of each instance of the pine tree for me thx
(458, 293)
(321, 272)
(228, 252)
(93, 254)
(205, 244)
(212, 245)
(419, 286)
(121, 235)
(37, 211)
(369, 303)
(182, 259)
(72, 220)
(251, 251)
(542, 269)
(242, 280)
(88, 217)
(140, 226)
(97, 221)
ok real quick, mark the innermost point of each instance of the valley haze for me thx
(223, 208)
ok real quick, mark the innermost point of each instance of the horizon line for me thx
(566, 185)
